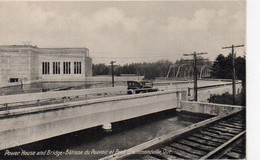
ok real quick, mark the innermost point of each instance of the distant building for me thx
(26, 63)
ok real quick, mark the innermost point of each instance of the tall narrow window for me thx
(56, 67)
(66, 67)
(45, 67)
(77, 67)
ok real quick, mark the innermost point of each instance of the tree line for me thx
(148, 70)
(221, 68)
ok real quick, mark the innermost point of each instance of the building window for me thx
(66, 67)
(56, 67)
(77, 67)
(45, 67)
(12, 80)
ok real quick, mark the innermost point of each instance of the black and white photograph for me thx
(149, 80)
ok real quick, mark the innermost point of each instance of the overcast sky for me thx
(127, 31)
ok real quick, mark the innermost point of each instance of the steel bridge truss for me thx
(186, 71)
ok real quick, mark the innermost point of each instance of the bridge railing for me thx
(204, 92)
(11, 100)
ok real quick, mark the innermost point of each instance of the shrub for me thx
(226, 98)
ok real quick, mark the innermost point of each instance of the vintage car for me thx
(136, 87)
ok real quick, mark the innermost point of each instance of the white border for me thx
(253, 78)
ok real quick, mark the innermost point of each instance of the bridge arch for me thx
(186, 71)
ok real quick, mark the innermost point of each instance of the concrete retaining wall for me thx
(204, 93)
(208, 108)
(26, 125)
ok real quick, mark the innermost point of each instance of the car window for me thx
(147, 84)
(133, 84)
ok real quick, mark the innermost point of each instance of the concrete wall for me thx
(21, 126)
(4, 63)
(116, 78)
(208, 108)
(18, 63)
(25, 62)
(88, 67)
(204, 94)
(34, 70)
(62, 55)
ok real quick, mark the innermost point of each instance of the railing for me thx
(170, 83)
(10, 100)
(211, 86)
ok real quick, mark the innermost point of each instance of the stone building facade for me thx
(26, 64)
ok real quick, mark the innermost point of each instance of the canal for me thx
(95, 143)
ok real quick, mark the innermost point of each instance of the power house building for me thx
(26, 64)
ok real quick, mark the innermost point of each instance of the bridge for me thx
(29, 118)
(186, 70)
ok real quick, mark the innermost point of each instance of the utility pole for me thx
(112, 72)
(195, 75)
(233, 69)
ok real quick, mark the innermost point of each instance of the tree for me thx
(148, 70)
(100, 69)
(222, 69)
(225, 98)
(241, 74)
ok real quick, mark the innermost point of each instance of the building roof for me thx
(63, 50)
(17, 48)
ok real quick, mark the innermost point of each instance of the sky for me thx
(127, 32)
